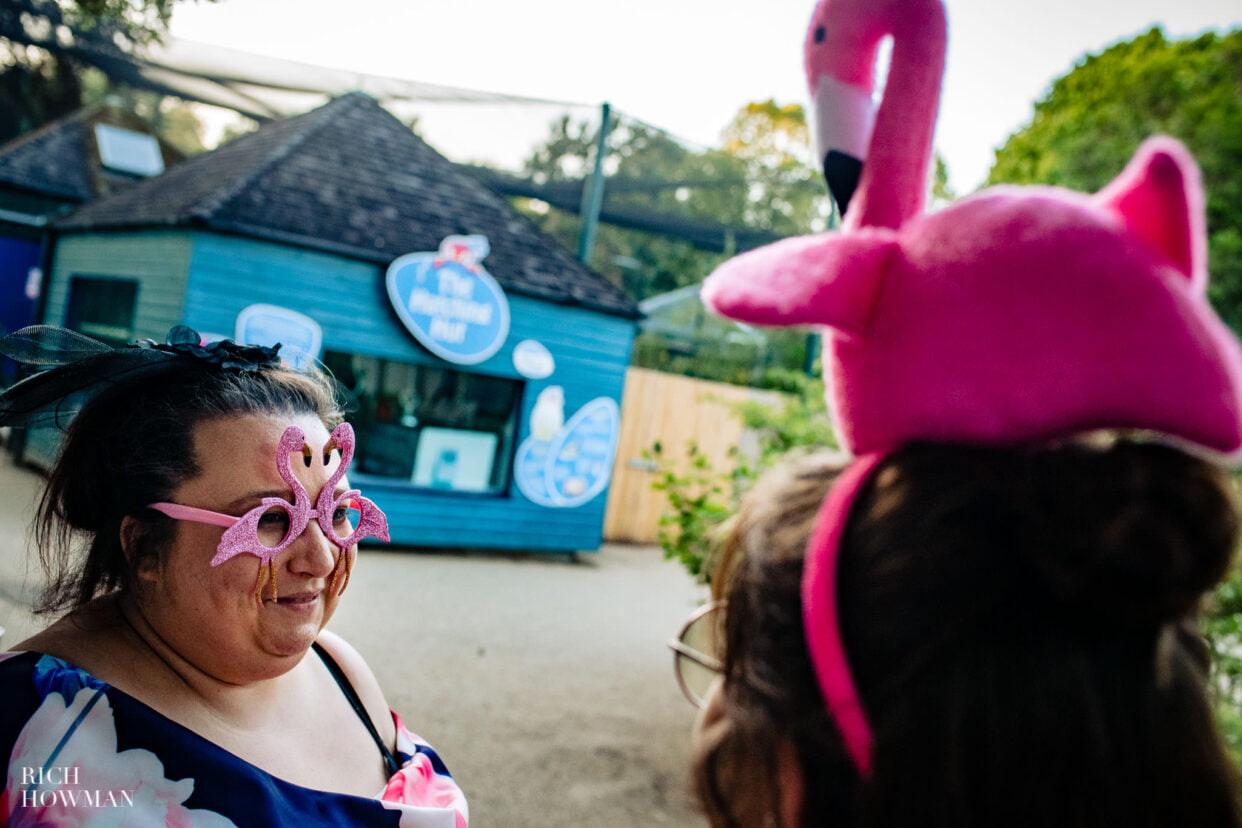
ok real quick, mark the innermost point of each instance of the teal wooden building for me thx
(49, 171)
(487, 364)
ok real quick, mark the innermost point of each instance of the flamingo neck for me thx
(894, 177)
(284, 464)
(343, 439)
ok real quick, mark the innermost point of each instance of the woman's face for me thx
(209, 614)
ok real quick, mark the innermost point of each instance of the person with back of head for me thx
(987, 615)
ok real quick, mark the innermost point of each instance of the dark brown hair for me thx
(133, 444)
(1021, 628)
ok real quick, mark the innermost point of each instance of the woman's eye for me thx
(276, 518)
(340, 514)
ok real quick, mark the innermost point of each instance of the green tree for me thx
(773, 146)
(647, 160)
(170, 118)
(42, 49)
(760, 179)
(702, 498)
(941, 193)
(1092, 119)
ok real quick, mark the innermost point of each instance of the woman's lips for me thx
(299, 600)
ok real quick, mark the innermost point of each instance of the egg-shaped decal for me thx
(533, 360)
(575, 465)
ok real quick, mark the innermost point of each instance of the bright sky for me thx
(684, 65)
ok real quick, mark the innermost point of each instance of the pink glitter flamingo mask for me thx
(269, 528)
(1016, 315)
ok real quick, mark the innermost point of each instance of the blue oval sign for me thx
(449, 302)
(299, 336)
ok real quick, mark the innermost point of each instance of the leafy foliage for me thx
(123, 24)
(1223, 626)
(759, 180)
(40, 77)
(1093, 118)
(772, 148)
(762, 179)
(699, 500)
(170, 118)
(701, 497)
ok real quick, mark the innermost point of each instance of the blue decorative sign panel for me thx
(449, 302)
(299, 336)
(575, 465)
(533, 360)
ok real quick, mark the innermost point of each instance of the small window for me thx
(126, 151)
(431, 427)
(102, 307)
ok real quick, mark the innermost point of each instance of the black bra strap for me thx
(351, 694)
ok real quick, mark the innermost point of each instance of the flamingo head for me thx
(1019, 313)
(342, 438)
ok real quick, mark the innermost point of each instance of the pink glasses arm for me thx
(179, 512)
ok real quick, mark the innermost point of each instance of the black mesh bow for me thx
(78, 365)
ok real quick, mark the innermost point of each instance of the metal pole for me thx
(593, 192)
(813, 340)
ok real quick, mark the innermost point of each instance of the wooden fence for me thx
(673, 410)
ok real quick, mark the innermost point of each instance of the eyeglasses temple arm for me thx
(179, 512)
(713, 664)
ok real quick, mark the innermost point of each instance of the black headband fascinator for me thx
(78, 365)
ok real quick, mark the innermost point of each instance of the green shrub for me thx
(1222, 624)
(703, 497)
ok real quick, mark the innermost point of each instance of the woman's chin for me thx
(293, 639)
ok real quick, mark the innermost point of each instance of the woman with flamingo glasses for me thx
(208, 486)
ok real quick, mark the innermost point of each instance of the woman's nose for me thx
(313, 554)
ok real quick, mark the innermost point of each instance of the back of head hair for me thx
(133, 444)
(1021, 625)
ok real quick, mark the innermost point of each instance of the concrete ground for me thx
(544, 683)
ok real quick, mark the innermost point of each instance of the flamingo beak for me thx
(844, 117)
(842, 172)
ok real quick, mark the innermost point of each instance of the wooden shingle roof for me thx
(61, 160)
(351, 179)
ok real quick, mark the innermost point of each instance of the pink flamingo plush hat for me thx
(1018, 314)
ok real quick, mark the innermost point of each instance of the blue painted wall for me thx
(17, 257)
(348, 299)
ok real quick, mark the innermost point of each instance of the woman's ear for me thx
(791, 785)
(143, 566)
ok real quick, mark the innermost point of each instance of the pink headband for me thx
(1018, 314)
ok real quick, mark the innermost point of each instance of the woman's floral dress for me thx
(81, 752)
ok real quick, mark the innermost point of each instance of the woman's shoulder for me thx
(351, 661)
(86, 637)
(363, 679)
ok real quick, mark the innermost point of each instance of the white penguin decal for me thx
(549, 413)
